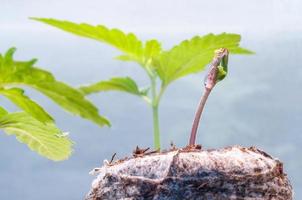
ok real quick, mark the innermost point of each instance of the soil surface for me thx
(193, 173)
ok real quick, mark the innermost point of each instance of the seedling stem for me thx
(214, 75)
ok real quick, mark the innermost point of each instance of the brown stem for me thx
(198, 115)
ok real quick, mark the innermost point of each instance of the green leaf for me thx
(17, 96)
(124, 84)
(132, 48)
(221, 73)
(127, 43)
(223, 68)
(192, 56)
(24, 73)
(152, 48)
(44, 138)
(2, 112)
(72, 100)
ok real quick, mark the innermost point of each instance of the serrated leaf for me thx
(43, 138)
(191, 56)
(124, 84)
(132, 48)
(71, 100)
(127, 43)
(17, 96)
(24, 73)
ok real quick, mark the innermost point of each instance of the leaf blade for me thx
(127, 43)
(133, 49)
(124, 84)
(44, 138)
(72, 100)
(2, 111)
(17, 96)
(25, 73)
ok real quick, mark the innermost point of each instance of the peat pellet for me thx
(193, 173)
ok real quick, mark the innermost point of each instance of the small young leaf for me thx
(40, 137)
(191, 56)
(152, 48)
(17, 96)
(124, 84)
(24, 73)
(223, 68)
(221, 73)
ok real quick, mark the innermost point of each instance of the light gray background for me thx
(258, 104)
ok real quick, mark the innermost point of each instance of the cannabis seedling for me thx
(217, 72)
(161, 66)
(34, 126)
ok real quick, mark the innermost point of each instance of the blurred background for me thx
(258, 104)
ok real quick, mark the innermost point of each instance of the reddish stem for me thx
(210, 82)
(198, 115)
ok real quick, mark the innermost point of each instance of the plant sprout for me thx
(217, 72)
(162, 67)
(34, 126)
